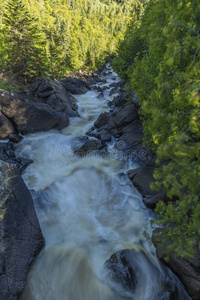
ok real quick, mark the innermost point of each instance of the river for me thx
(88, 209)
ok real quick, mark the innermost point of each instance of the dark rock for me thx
(125, 115)
(14, 138)
(21, 239)
(55, 95)
(35, 85)
(31, 117)
(113, 91)
(45, 94)
(106, 137)
(6, 127)
(187, 270)
(142, 178)
(102, 119)
(119, 100)
(7, 154)
(45, 86)
(75, 86)
(118, 84)
(101, 95)
(122, 269)
(89, 147)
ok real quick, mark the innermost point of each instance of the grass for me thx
(4, 85)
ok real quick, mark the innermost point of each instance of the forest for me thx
(51, 38)
(160, 59)
(156, 45)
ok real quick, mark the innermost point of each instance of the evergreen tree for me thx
(26, 42)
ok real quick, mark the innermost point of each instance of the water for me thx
(88, 210)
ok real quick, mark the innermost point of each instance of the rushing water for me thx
(88, 210)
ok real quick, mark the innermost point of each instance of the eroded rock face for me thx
(187, 270)
(142, 178)
(28, 117)
(55, 95)
(21, 239)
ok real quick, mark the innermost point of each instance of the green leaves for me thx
(165, 73)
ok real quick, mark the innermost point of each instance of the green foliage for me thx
(162, 65)
(26, 48)
(6, 86)
(40, 37)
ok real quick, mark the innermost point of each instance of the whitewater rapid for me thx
(87, 209)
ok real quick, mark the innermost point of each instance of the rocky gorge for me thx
(50, 105)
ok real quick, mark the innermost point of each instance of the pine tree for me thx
(27, 54)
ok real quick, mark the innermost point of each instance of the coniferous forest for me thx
(160, 59)
(154, 47)
(39, 37)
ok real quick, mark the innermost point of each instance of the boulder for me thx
(106, 137)
(7, 154)
(122, 270)
(6, 127)
(136, 271)
(29, 117)
(55, 95)
(102, 119)
(21, 239)
(120, 100)
(187, 270)
(75, 85)
(89, 147)
(126, 115)
(118, 84)
(141, 178)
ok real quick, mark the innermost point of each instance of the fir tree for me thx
(27, 51)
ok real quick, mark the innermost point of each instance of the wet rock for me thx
(89, 147)
(14, 138)
(7, 154)
(75, 86)
(6, 127)
(187, 270)
(102, 119)
(21, 239)
(106, 137)
(101, 95)
(142, 178)
(30, 117)
(118, 84)
(121, 269)
(120, 100)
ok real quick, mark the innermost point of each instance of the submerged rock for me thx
(121, 269)
(21, 239)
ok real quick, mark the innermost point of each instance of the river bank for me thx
(115, 138)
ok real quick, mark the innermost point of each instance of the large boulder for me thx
(28, 117)
(21, 239)
(142, 178)
(187, 270)
(55, 95)
(135, 274)
(6, 127)
(122, 269)
(75, 85)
